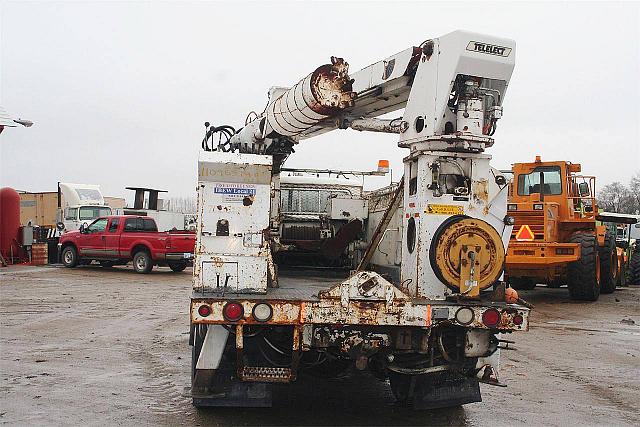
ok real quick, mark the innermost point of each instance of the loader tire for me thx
(583, 278)
(608, 265)
(634, 268)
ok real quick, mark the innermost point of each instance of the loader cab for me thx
(552, 198)
(556, 185)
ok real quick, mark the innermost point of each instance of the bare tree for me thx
(634, 189)
(616, 197)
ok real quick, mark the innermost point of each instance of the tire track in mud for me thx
(164, 379)
(598, 391)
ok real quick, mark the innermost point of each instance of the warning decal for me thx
(444, 209)
(234, 193)
(525, 234)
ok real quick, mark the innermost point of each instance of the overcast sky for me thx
(119, 92)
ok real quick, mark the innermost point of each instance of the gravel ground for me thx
(93, 346)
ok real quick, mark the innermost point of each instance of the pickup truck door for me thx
(111, 239)
(92, 244)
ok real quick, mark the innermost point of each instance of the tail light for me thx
(167, 243)
(491, 318)
(204, 310)
(233, 311)
(517, 320)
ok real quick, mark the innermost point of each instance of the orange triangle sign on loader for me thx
(525, 234)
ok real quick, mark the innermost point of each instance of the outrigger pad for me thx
(446, 392)
(240, 395)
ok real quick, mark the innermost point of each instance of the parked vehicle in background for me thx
(82, 204)
(117, 240)
(629, 239)
(555, 238)
(634, 266)
(68, 207)
(622, 226)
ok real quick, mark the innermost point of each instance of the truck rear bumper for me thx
(179, 256)
(401, 313)
(534, 256)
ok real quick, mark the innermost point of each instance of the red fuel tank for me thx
(9, 223)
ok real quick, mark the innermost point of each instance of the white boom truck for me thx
(435, 333)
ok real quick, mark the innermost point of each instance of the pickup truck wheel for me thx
(69, 257)
(177, 266)
(142, 262)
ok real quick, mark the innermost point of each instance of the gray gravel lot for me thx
(93, 346)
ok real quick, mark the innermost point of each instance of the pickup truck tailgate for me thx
(181, 242)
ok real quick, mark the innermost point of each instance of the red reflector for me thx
(517, 320)
(491, 317)
(204, 310)
(233, 311)
(525, 234)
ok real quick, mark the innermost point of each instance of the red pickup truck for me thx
(116, 240)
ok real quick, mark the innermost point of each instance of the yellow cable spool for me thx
(467, 250)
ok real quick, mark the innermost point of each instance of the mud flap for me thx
(445, 391)
(239, 395)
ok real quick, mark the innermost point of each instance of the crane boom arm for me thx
(450, 85)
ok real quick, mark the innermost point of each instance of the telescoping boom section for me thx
(432, 319)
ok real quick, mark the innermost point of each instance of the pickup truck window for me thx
(113, 227)
(150, 225)
(131, 224)
(97, 226)
(91, 212)
(140, 224)
(71, 213)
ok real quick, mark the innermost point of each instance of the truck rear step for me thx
(266, 374)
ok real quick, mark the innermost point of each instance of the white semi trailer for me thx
(434, 331)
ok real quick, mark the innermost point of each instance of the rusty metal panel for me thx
(367, 313)
(284, 312)
(322, 93)
(234, 201)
